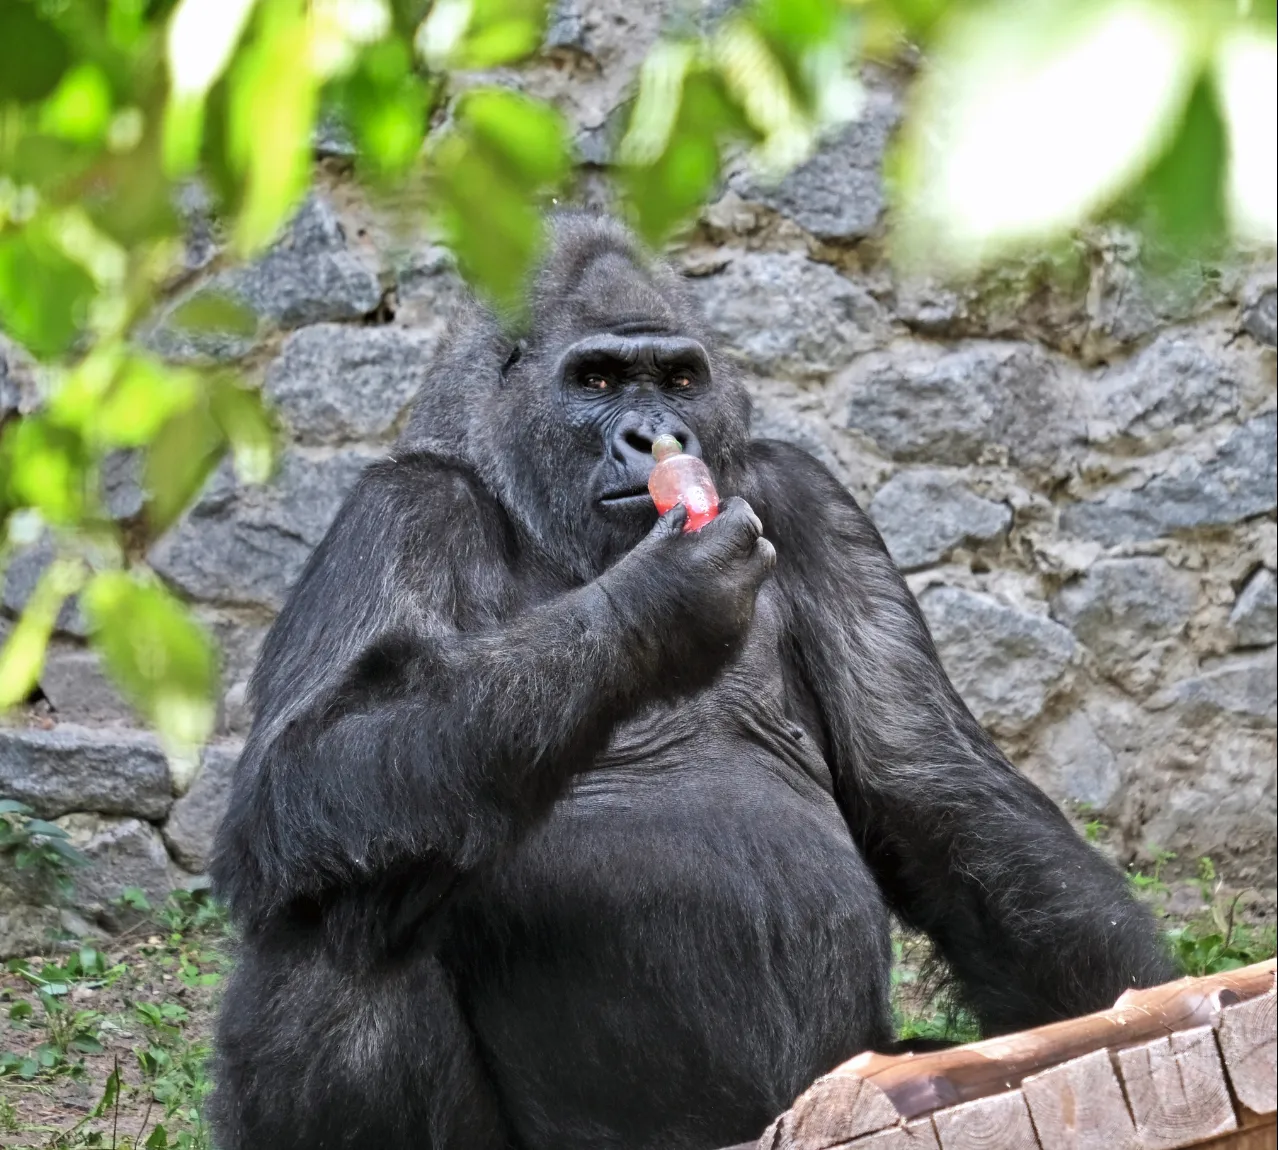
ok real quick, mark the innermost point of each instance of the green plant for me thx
(41, 847)
(176, 1072)
(1217, 940)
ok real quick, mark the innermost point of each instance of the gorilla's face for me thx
(613, 357)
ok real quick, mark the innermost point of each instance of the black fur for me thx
(557, 829)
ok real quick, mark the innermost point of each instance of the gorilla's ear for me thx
(516, 354)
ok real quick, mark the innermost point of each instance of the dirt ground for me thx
(136, 1013)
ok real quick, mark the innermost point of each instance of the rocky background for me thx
(1073, 461)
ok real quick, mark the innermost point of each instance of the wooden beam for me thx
(1000, 1122)
(874, 1092)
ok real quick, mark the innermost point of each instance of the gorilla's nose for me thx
(632, 439)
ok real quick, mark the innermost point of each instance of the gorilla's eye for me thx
(680, 381)
(593, 381)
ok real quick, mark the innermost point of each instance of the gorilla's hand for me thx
(693, 594)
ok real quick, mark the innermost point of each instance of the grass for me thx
(108, 1048)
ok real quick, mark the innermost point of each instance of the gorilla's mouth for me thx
(629, 499)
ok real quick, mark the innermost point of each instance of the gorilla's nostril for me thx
(639, 442)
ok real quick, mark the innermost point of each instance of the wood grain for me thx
(919, 1135)
(1176, 1089)
(1000, 1122)
(1079, 1105)
(1248, 1037)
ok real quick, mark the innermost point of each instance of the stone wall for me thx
(1073, 462)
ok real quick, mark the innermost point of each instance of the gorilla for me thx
(560, 828)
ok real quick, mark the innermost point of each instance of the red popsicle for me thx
(680, 478)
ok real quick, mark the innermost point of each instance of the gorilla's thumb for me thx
(670, 525)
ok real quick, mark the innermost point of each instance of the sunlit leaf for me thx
(1030, 117)
(386, 107)
(665, 192)
(202, 36)
(241, 413)
(758, 83)
(33, 54)
(23, 655)
(1247, 79)
(162, 659)
(44, 295)
(273, 95)
(525, 136)
(146, 394)
(480, 33)
(80, 108)
(47, 467)
(340, 27)
(656, 108)
(506, 155)
(178, 461)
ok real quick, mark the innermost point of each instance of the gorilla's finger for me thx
(766, 553)
(670, 525)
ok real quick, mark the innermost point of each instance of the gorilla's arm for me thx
(1035, 924)
(400, 722)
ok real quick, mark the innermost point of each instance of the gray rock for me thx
(1255, 614)
(332, 138)
(1176, 383)
(248, 545)
(1120, 607)
(785, 313)
(1260, 320)
(122, 853)
(924, 514)
(1235, 484)
(838, 193)
(918, 402)
(193, 824)
(1239, 688)
(429, 291)
(1075, 765)
(25, 929)
(308, 277)
(334, 383)
(565, 26)
(1004, 662)
(73, 768)
(122, 484)
(20, 579)
(78, 689)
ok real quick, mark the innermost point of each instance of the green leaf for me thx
(13, 807)
(180, 457)
(387, 107)
(474, 34)
(159, 655)
(80, 109)
(20, 1011)
(492, 174)
(273, 96)
(44, 294)
(33, 54)
(1184, 190)
(525, 136)
(110, 1094)
(23, 655)
(46, 467)
(245, 421)
(214, 311)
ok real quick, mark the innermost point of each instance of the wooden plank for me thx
(1079, 1105)
(1000, 1122)
(918, 1084)
(1176, 1089)
(1264, 1137)
(920, 1135)
(1248, 1037)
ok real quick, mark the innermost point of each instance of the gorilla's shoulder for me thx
(422, 487)
(778, 469)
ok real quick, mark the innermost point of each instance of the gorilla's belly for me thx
(677, 952)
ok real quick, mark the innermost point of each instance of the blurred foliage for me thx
(1032, 116)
